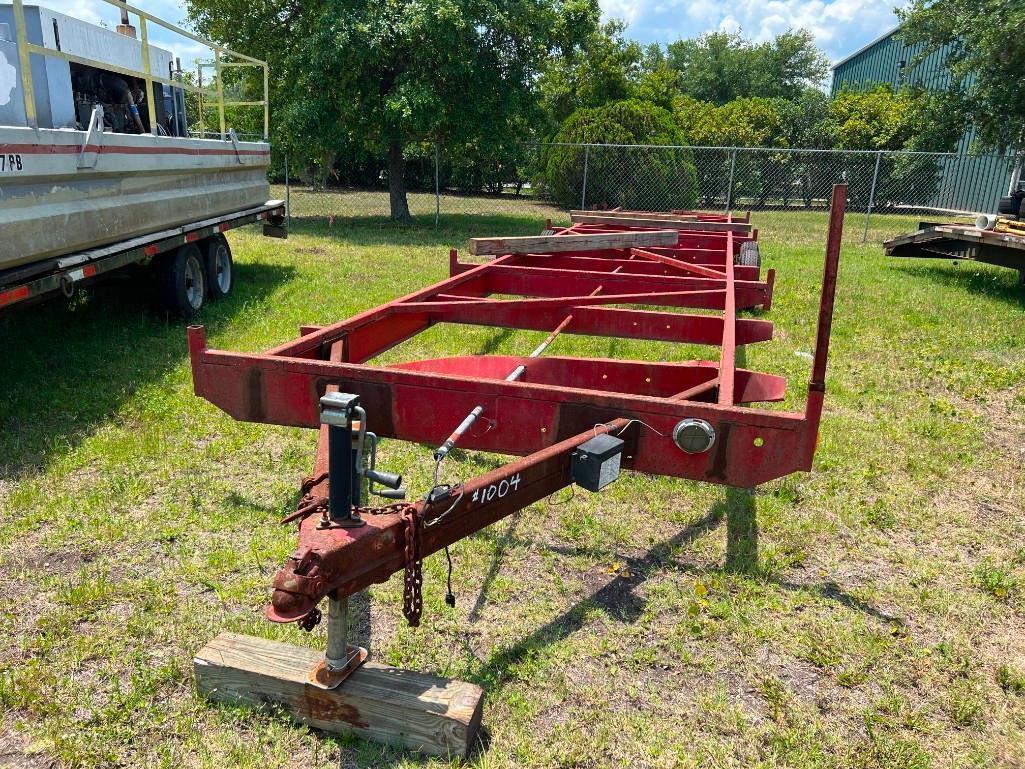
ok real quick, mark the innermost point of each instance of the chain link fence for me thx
(547, 180)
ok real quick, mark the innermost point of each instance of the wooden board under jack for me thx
(378, 703)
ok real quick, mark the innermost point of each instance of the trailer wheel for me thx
(749, 255)
(220, 269)
(1008, 206)
(182, 282)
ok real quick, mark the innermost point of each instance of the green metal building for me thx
(970, 183)
(889, 60)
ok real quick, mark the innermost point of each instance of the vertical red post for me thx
(817, 384)
(728, 357)
(836, 213)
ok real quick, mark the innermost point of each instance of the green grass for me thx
(868, 614)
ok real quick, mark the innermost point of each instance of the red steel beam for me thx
(728, 357)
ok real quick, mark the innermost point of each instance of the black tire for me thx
(219, 267)
(182, 282)
(749, 255)
(1009, 206)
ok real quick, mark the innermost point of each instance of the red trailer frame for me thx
(556, 405)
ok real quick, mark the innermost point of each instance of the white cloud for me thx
(839, 26)
(627, 10)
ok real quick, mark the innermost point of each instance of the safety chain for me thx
(412, 595)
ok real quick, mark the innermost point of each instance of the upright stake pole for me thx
(729, 185)
(220, 93)
(199, 98)
(583, 191)
(288, 196)
(872, 196)
(437, 183)
(266, 102)
(151, 98)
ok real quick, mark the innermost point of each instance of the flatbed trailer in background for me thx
(962, 241)
(192, 262)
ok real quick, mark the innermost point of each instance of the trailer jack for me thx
(340, 658)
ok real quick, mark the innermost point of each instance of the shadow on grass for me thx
(616, 598)
(70, 366)
(452, 229)
(619, 599)
(984, 279)
(501, 545)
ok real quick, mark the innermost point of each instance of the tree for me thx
(881, 118)
(805, 121)
(986, 53)
(604, 68)
(874, 118)
(378, 75)
(652, 178)
(745, 122)
(722, 66)
(806, 126)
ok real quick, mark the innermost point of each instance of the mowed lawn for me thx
(868, 614)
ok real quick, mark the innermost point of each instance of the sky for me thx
(840, 27)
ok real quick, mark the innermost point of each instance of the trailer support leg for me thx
(340, 659)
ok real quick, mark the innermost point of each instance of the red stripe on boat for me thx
(14, 295)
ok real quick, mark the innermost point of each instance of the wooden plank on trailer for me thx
(550, 244)
(639, 221)
(660, 215)
(379, 703)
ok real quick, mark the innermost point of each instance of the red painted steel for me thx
(555, 404)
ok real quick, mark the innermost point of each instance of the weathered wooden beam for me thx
(378, 703)
(660, 215)
(647, 221)
(550, 244)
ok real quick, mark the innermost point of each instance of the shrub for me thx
(651, 178)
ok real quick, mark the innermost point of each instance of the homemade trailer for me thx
(570, 420)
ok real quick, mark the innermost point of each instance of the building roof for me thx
(865, 47)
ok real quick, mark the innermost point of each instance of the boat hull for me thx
(62, 192)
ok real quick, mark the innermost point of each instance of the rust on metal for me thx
(323, 676)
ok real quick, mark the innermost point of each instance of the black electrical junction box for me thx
(595, 464)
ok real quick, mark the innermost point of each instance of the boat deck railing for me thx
(208, 97)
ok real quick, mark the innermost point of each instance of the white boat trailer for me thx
(193, 262)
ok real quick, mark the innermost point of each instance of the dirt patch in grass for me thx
(15, 752)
